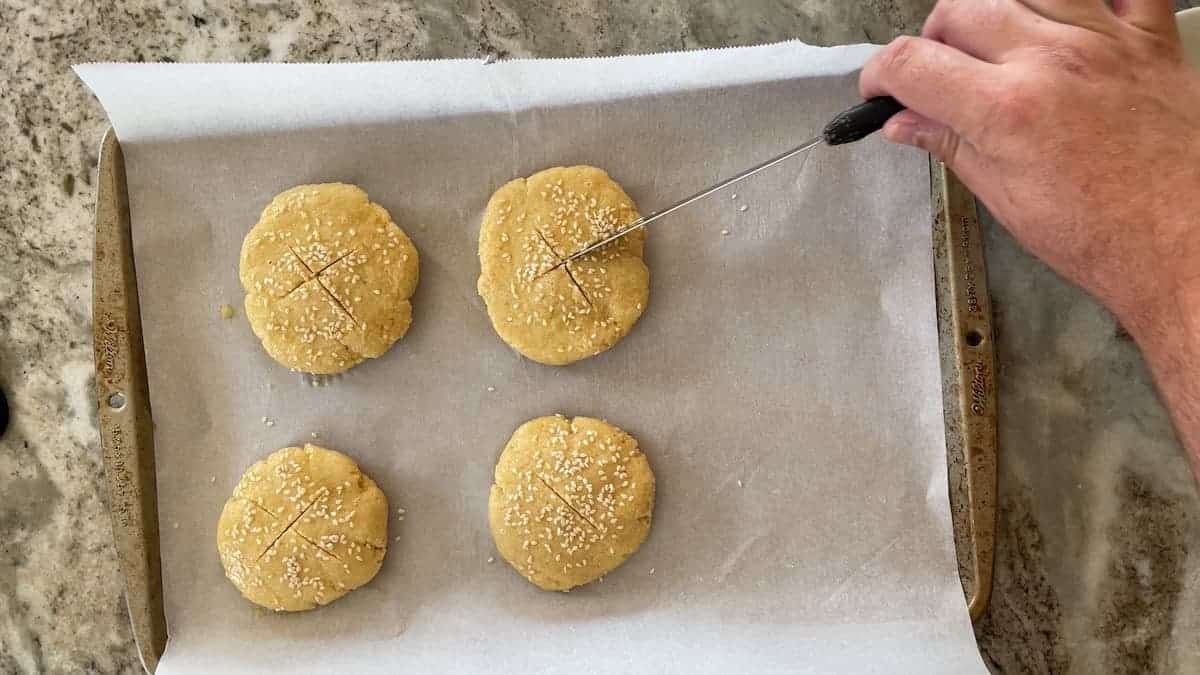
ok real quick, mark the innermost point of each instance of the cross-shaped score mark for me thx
(317, 276)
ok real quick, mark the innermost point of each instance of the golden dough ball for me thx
(572, 500)
(559, 315)
(303, 528)
(328, 277)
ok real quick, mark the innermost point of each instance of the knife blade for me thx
(852, 124)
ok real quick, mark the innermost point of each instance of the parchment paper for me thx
(784, 380)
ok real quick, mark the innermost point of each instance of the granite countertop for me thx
(1095, 569)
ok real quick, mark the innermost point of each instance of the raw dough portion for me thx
(578, 310)
(572, 500)
(303, 528)
(328, 277)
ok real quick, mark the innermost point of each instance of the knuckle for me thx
(897, 57)
(945, 14)
(1066, 58)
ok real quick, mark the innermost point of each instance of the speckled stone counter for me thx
(1097, 568)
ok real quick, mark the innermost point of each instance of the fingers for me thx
(935, 80)
(986, 29)
(1156, 16)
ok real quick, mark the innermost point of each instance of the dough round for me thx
(572, 500)
(303, 528)
(328, 277)
(559, 316)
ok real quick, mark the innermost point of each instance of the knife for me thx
(850, 125)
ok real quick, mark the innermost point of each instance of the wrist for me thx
(1169, 336)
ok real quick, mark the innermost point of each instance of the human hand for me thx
(1077, 125)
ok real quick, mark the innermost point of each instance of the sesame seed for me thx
(491, 559)
(743, 207)
(739, 482)
(725, 232)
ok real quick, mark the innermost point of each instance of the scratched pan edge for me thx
(965, 338)
(125, 425)
(127, 442)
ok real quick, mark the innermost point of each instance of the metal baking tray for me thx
(127, 427)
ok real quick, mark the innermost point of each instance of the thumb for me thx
(911, 128)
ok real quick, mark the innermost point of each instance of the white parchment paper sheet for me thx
(784, 381)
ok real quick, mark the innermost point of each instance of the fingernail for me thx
(901, 131)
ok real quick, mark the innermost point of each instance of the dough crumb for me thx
(212, 479)
(175, 526)
(226, 311)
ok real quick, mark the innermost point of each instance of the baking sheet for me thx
(784, 381)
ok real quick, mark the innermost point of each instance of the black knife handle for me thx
(862, 120)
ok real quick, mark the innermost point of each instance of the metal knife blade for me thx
(848, 126)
